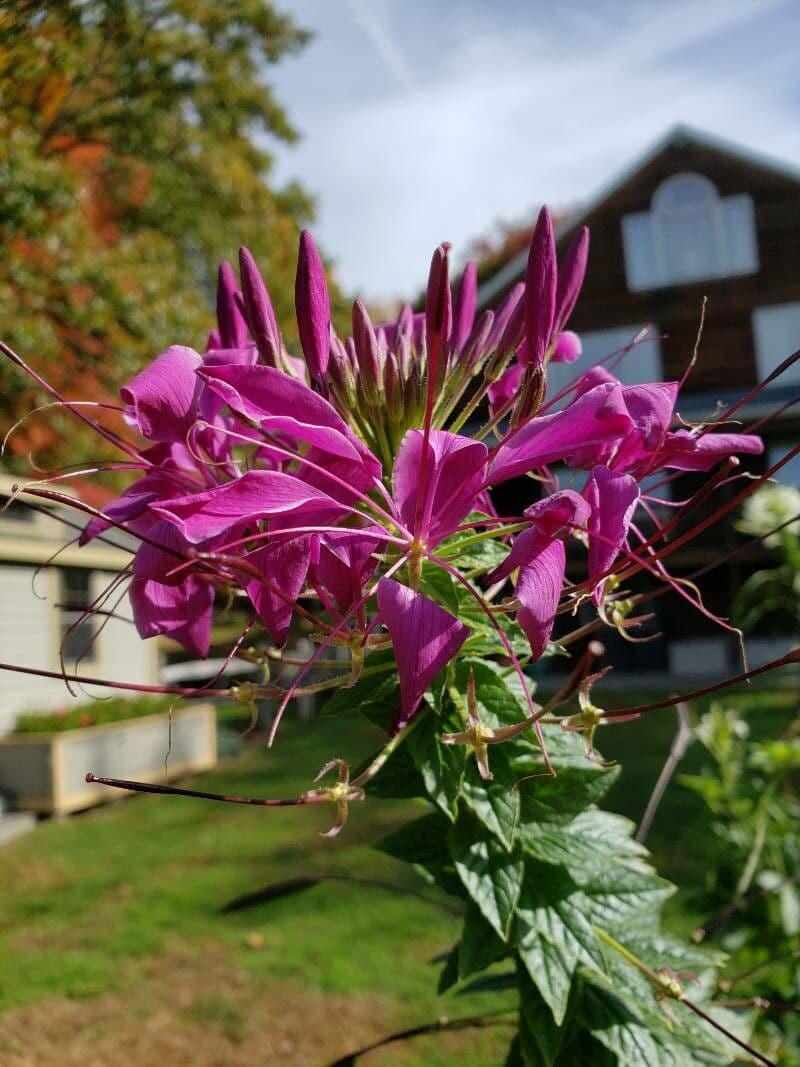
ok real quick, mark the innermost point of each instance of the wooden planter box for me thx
(47, 772)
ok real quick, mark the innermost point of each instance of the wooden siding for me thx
(727, 352)
(727, 356)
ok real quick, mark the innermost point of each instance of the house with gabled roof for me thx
(693, 220)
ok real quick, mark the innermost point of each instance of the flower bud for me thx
(313, 308)
(570, 278)
(531, 394)
(477, 344)
(503, 313)
(392, 388)
(258, 309)
(366, 348)
(464, 308)
(231, 325)
(566, 348)
(438, 315)
(540, 290)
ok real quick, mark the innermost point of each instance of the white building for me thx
(42, 601)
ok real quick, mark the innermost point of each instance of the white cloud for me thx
(525, 112)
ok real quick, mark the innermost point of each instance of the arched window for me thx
(690, 233)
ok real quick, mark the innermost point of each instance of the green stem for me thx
(473, 403)
(496, 419)
(667, 986)
(755, 852)
(341, 680)
(455, 550)
(391, 746)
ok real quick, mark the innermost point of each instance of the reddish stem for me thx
(175, 791)
(175, 690)
(784, 661)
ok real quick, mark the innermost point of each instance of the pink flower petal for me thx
(285, 405)
(163, 396)
(284, 566)
(571, 273)
(612, 498)
(567, 349)
(425, 638)
(597, 417)
(539, 591)
(256, 495)
(456, 474)
(183, 611)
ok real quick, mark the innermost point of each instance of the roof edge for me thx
(681, 132)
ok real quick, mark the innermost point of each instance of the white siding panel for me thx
(776, 329)
(122, 655)
(640, 365)
(29, 637)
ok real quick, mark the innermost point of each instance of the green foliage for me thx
(134, 155)
(752, 890)
(540, 870)
(770, 598)
(93, 713)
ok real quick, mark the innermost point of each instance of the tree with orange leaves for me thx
(132, 160)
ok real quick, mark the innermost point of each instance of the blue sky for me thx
(429, 120)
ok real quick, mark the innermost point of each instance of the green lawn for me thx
(89, 906)
(112, 919)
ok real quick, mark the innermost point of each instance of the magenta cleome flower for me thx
(347, 479)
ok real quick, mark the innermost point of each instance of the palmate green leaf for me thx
(540, 1036)
(491, 875)
(374, 696)
(557, 799)
(659, 949)
(484, 639)
(696, 1041)
(423, 841)
(399, 778)
(553, 934)
(485, 554)
(500, 701)
(553, 971)
(619, 898)
(623, 1032)
(494, 802)
(592, 838)
(480, 945)
(440, 766)
(439, 586)
(627, 1019)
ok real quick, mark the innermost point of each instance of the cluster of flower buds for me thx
(324, 487)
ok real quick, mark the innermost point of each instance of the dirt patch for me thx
(192, 1009)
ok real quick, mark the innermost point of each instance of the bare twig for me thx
(731, 909)
(683, 738)
(471, 1022)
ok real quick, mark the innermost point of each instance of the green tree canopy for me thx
(134, 155)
